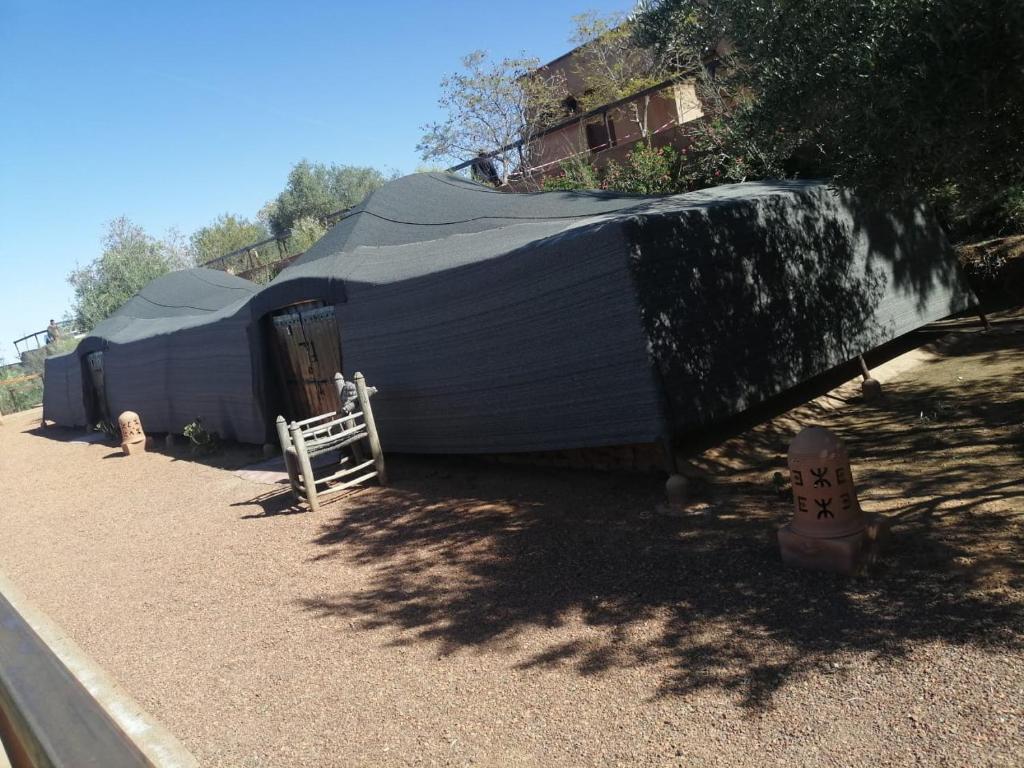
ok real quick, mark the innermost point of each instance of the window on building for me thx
(600, 134)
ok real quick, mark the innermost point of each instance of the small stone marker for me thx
(133, 439)
(829, 530)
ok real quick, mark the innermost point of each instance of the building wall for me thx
(666, 111)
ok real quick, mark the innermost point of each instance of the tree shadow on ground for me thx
(470, 558)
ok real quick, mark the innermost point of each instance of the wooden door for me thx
(307, 355)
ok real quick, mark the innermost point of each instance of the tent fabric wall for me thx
(537, 348)
(199, 371)
(62, 390)
(744, 300)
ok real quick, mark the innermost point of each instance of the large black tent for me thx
(495, 322)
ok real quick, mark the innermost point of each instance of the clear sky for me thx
(171, 113)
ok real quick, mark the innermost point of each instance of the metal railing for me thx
(65, 327)
(59, 710)
(247, 261)
(47, 717)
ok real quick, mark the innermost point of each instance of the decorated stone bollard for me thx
(829, 530)
(133, 439)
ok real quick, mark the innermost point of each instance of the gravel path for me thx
(477, 615)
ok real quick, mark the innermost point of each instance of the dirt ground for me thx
(473, 614)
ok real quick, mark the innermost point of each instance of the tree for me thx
(888, 96)
(316, 190)
(493, 107)
(130, 259)
(305, 231)
(225, 234)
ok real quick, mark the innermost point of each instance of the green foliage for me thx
(316, 190)
(609, 62)
(130, 259)
(1011, 209)
(20, 396)
(891, 97)
(646, 171)
(578, 174)
(305, 231)
(225, 234)
(202, 441)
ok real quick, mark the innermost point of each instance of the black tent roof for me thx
(175, 300)
(431, 206)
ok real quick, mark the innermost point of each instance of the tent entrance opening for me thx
(96, 408)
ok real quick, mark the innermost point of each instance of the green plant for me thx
(577, 174)
(130, 259)
(1012, 210)
(203, 441)
(647, 171)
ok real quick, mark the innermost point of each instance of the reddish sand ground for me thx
(474, 614)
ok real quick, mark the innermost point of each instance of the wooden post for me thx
(289, 465)
(305, 468)
(869, 387)
(863, 367)
(371, 427)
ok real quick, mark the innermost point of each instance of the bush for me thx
(647, 171)
(1012, 211)
(576, 175)
(203, 442)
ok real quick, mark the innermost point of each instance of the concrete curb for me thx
(155, 742)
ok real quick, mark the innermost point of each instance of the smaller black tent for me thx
(175, 351)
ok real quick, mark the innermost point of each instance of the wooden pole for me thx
(371, 427)
(289, 465)
(304, 466)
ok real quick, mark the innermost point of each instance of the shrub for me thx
(203, 442)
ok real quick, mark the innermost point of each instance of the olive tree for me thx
(889, 96)
(494, 108)
(130, 259)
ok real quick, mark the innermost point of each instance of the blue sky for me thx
(172, 113)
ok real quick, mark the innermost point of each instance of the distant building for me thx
(609, 131)
(659, 112)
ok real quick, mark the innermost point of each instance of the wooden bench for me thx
(347, 432)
